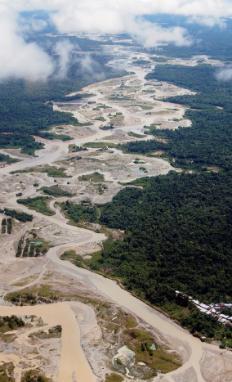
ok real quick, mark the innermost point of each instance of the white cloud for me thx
(224, 74)
(63, 50)
(21, 59)
(127, 16)
(90, 68)
(208, 21)
(37, 25)
(112, 15)
(150, 35)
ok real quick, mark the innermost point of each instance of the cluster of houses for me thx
(213, 310)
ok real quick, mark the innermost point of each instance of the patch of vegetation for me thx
(56, 191)
(146, 351)
(54, 136)
(101, 188)
(30, 245)
(227, 311)
(95, 177)
(143, 169)
(138, 161)
(143, 147)
(114, 378)
(122, 328)
(78, 213)
(42, 294)
(151, 129)
(7, 372)
(95, 258)
(140, 182)
(39, 204)
(20, 216)
(102, 106)
(135, 135)
(84, 124)
(101, 119)
(54, 332)
(100, 145)
(7, 159)
(52, 171)
(7, 226)
(75, 149)
(110, 126)
(225, 339)
(34, 376)
(73, 258)
(144, 106)
(10, 323)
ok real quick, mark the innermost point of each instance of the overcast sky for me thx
(23, 60)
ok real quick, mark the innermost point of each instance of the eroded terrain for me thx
(99, 327)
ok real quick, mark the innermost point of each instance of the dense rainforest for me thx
(177, 237)
(24, 113)
(208, 142)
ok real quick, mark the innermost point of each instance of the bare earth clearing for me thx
(116, 111)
